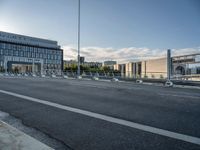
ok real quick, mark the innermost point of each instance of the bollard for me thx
(115, 80)
(95, 78)
(169, 83)
(65, 77)
(139, 81)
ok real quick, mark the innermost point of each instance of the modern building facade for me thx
(186, 66)
(154, 68)
(22, 54)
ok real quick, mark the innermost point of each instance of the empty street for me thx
(100, 115)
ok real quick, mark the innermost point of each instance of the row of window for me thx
(30, 55)
(47, 61)
(52, 66)
(31, 49)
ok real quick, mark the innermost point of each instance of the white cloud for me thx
(122, 55)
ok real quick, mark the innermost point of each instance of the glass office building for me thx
(22, 54)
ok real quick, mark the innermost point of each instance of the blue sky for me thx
(107, 24)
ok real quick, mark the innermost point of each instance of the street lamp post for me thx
(78, 71)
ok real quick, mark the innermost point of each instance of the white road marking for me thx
(166, 133)
(183, 96)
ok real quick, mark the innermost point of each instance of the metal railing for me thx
(104, 75)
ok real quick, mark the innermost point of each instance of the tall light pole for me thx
(79, 7)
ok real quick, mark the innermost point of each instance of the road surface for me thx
(96, 115)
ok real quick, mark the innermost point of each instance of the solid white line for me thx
(184, 96)
(174, 135)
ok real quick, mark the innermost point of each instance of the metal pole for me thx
(78, 71)
(168, 64)
(145, 69)
(33, 67)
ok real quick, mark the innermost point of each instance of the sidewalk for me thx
(13, 139)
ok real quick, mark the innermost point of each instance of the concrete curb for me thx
(11, 138)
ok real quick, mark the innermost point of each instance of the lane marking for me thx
(105, 87)
(183, 96)
(166, 133)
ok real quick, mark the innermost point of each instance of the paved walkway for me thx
(13, 139)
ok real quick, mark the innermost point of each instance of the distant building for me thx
(154, 68)
(70, 63)
(19, 53)
(185, 65)
(110, 64)
(133, 69)
(82, 60)
(121, 68)
(93, 64)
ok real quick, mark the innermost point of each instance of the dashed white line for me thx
(166, 133)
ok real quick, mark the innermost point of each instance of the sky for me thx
(122, 30)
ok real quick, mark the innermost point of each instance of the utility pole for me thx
(78, 71)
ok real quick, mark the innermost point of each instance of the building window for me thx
(17, 53)
(33, 55)
(29, 54)
(1, 51)
(9, 46)
(10, 52)
(4, 46)
(6, 52)
(14, 47)
(21, 53)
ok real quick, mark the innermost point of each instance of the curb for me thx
(12, 138)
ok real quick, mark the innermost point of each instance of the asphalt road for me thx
(171, 109)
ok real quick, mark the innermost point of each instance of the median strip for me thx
(166, 133)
